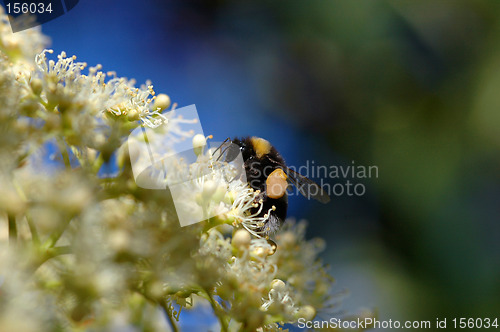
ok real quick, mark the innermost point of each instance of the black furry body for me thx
(257, 170)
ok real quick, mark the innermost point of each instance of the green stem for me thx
(34, 232)
(64, 153)
(31, 224)
(163, 304)
(56, 234)
(54, 252)
(217, 311)
(46, 105)
(98, 163)
(170, 316)
(58, 251)
(12, 229)
(49, 253)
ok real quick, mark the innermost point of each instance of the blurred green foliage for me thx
(413, 87)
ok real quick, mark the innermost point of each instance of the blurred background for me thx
(412, 87)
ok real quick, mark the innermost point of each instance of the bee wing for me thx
(307, 187)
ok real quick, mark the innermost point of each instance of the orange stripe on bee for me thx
(261, 146)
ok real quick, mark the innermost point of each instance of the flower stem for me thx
(166, 307)
(34, 232)
(170, 317)
(98, 163)
(217, 311)
(47, 254)
(56, 234)
(12, 229)
(31, 224)
(56, 251)
(64, 153)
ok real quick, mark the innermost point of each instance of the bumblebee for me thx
(267, 172)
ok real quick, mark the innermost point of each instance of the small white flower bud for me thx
(156, 290)
(162, 101)
(199, 142)
(260, 252)
(307, 312)
(209, 188)
(241, 239)
(133, 115)
(119, 240)
(36, 85)
(278, 285)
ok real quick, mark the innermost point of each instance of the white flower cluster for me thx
(80, 251)
(230, 199)
(21, 46)
(97, 92)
